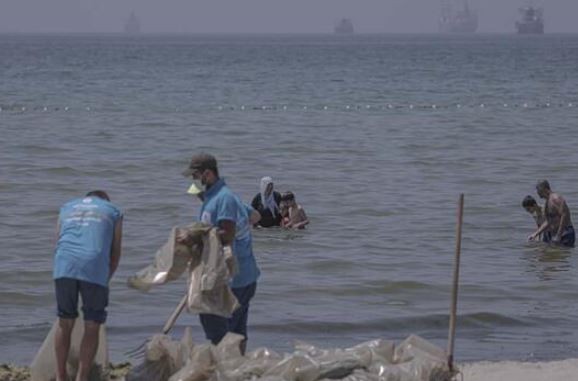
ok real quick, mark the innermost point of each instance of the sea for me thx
(377, 136)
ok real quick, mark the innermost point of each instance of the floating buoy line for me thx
(432, 107)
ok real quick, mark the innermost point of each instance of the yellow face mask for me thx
(194, 189)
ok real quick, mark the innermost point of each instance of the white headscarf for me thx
(268, 201)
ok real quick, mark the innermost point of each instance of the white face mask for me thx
(199, 184)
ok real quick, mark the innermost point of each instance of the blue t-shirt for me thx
(221, 204)
(85, 240)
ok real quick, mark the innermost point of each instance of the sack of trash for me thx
(209, 267)
(43, 367)
(414, 359)
(163, 358)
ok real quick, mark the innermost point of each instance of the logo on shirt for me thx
(87, 200)
(206, 218)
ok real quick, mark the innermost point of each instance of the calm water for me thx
(376, 135)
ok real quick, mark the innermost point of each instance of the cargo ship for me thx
(132, 25)
(457, 17)
(345, 26)
(531, 22)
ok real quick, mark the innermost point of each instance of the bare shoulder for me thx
(558, 199)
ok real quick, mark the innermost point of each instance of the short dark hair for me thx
(529, 201)
(288, 196)
(98, 193)
(543, 184)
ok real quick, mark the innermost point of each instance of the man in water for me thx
(87, 255)
(225, 210)
(558, 219)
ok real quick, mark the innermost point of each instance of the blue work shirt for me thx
(220, 204)
(85, 240)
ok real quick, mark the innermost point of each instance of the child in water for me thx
(293, 214)
(531, 206)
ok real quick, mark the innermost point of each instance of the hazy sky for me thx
(265, 16)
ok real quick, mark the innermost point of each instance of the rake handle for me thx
(173, 318)
(453, 308)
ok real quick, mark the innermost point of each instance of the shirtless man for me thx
(558, 219)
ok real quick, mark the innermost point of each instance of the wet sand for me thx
(9, 372)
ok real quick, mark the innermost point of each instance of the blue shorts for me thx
(216, 327)
(94, 299)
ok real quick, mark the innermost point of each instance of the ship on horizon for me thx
(345, 26)
(132, 25)
(531, 22)
(457, 18)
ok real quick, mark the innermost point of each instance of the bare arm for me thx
(115, 250)
(540, 230)
(303, 220)
(255, 217)
(564, 218)
(227, 231)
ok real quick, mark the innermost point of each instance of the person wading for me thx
(266, 202)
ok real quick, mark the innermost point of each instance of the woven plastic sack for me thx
(43, 367)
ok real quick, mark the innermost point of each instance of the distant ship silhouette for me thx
(462, 20)
(345, 26)
(132, 25)
(531, 22)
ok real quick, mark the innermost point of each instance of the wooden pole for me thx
(173, 318)
(454, 303)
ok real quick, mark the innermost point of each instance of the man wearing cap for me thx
(558, 219)
(225, 210)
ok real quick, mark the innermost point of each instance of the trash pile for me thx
(414, 359)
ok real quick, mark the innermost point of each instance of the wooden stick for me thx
(454, 304)
(173, 318)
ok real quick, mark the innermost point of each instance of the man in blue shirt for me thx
(225, 210)
(86, 256)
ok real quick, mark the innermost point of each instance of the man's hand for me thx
(532, 237)
(556, 239)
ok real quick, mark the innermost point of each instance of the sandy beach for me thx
(521, 371)
(564, 370)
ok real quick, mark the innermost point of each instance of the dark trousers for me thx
(216, 327)
(568, 237)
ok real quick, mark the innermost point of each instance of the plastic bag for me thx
(208, 289)
(200, 366)
(337, 363)
(171, 260)
(43, 367)
(296, 367)
(421, 359)
(210, 267)
(163, 358)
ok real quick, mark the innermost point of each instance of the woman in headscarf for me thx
(266, 202)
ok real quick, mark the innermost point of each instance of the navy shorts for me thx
(94, 299)
(216, 327)
(568, 237)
